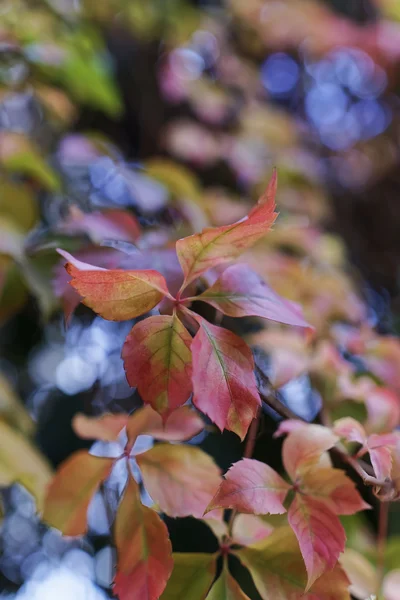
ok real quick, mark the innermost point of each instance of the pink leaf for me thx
(304, 447)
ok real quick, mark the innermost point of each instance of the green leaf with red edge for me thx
(183, 424)
(303, 448)
(333, 488)
(192, 576)
(107, 427)
(216, 245)
(320, 535)
(240, 292)
(71, 490)
(251, 486)
(180, 479)
(278, 571)
(115, 294)
(224, 384)
(226, 588)
(158, 361)
(143, 549)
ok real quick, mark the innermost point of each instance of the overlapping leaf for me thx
(158, 361)
(192, 576)
(240, 292)
(180, 479)
(72, 489)
(216, 245)
(143, 548)
(224, 384)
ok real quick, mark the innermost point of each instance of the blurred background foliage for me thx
(176, 112)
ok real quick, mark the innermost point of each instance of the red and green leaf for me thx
(240, 292)
(158, 361)
(217, 245)
(320, 535)
(252, 487)
(224, 384)
(143, 549)
(180, 479)
(226, 588)
(304, 447)
(192, 576)
(71, 490)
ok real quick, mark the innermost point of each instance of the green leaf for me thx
(192, 576)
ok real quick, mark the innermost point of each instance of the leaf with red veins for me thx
(71, 490)
(320, 535)
(158, 361)
(226, 588)
(115, 294)
(143, 549)
(224, 384)
(180, 479)
(114, 224)
(350, 430)
(107, 427)
(217, 245)
(249, 529)
(332, 487)
(240, 292)
(183, 424)
(252, 487)
(304, 447)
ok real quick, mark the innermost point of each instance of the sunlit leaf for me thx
(180, 479)
(158, 361)
(192, 576)
(143, 548)
(72, 489)
(214, 246)
(252, 487)
(224, 384)
(320, 535)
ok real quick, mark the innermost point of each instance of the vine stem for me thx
(382, 537)
(248, 453)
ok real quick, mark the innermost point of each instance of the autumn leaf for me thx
(114, 224)
(251, 486)
(158, 361)
(216, 245)
(180, 479)
(114, 294)
(143, 549)
(71, 490)
(249, 529)
(192, 576)
(240, 292)
(278, 571)
(320, 535)
(224, 384)
(105, 427)
(183, 424)
(226, 588)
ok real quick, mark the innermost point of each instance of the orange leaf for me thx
(180, 479)
(252, 487)
(216, 245)
(114, 294)
(106, 427)
(143, 548)
(71, 490)
(158, 361)
(320, 535)
(304, 447)
(224, 384)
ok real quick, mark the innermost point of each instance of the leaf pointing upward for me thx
(216, 245)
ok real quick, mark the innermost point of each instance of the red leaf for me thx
(224, 384)
(240, 292)
(143, 547)
(216, 245)
(320, 535)
(251, 487)
(116, 295)
(158, 361)
(304, 447)
(332, 487)
(71, 490)
(180, 479)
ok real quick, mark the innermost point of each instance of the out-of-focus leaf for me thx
(71, 490)
(180, 479)
(192, 576)
(105, 428)
(21, 462)
(249, 529)
(17, 204)
(13, 290)
(109, 224)
(12, 410)
(361, 573)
